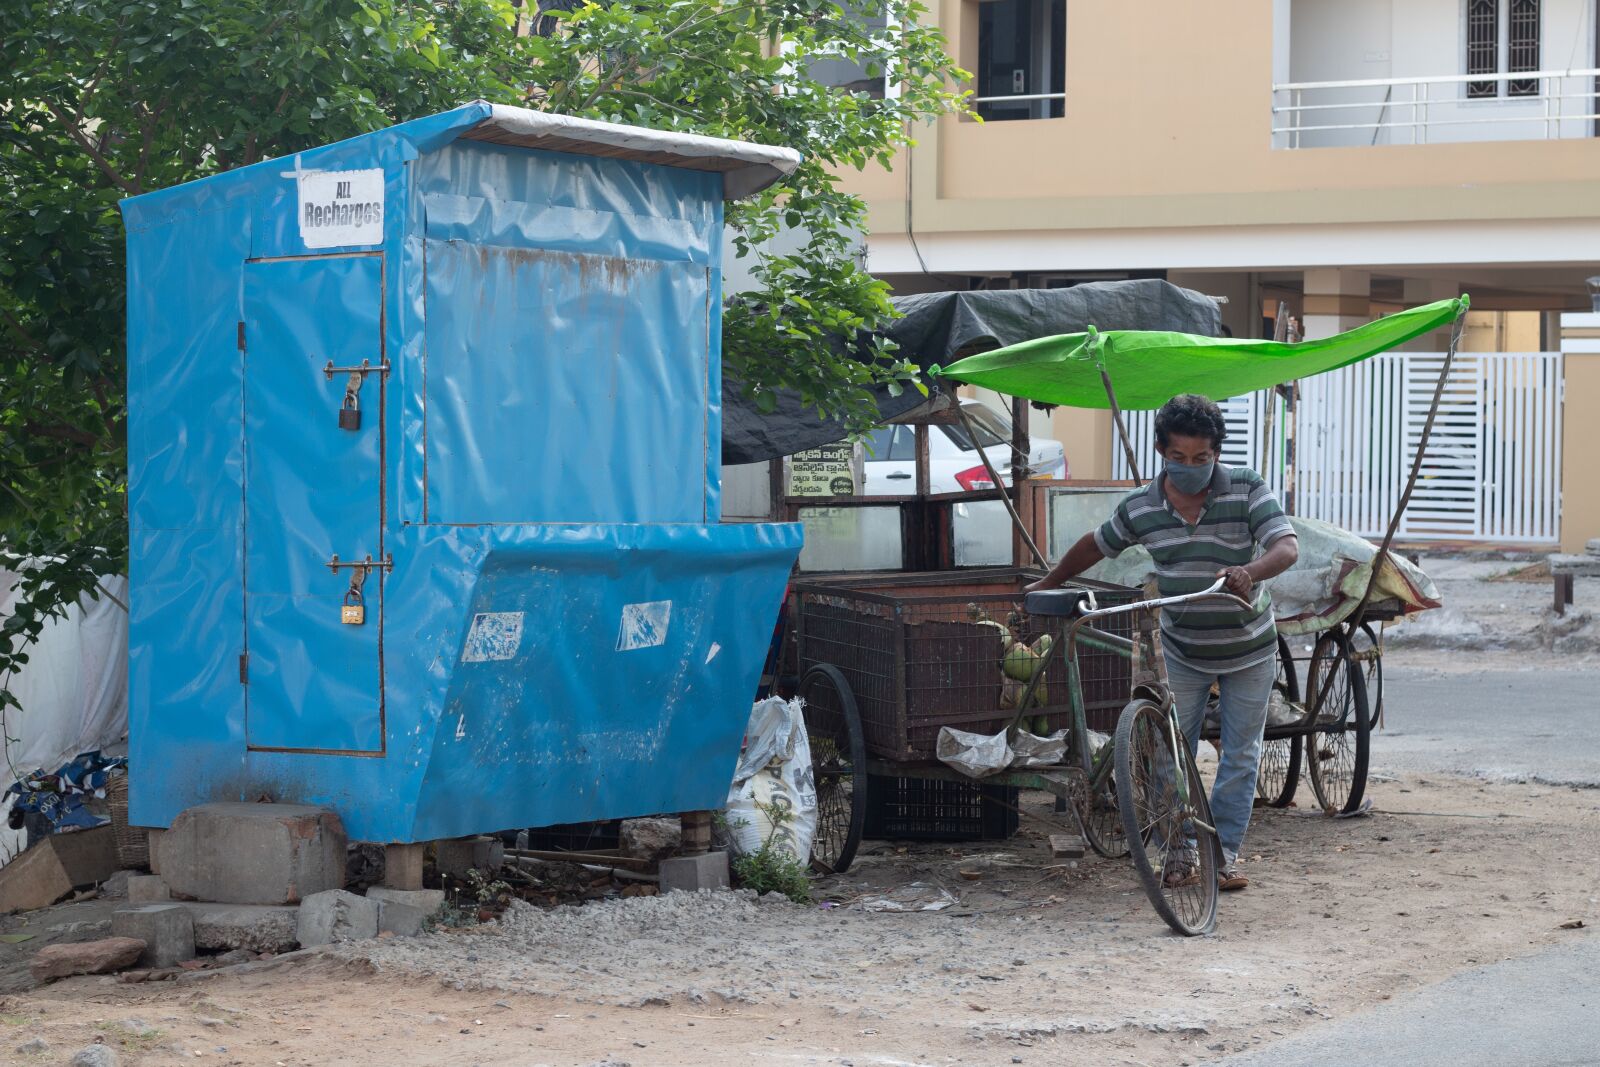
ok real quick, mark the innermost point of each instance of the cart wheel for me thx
(1157, 823)
(1278, 774)
(1337, 749)
(838, 766)
(1366, 648)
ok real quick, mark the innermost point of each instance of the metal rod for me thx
(972, 436)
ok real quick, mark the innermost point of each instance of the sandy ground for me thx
(1028, 966)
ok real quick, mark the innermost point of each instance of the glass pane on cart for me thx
(851, 539)
(982, 533)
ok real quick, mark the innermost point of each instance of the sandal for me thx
(1229, 880)
(1178, 877)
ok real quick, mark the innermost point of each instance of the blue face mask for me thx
(1189, 478)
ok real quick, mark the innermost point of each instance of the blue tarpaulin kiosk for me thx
(424, 444)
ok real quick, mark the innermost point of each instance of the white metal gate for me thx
(1493, 467)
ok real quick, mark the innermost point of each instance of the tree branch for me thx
(75, 132)
(62, 433)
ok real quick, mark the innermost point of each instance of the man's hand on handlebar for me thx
(1237, 581)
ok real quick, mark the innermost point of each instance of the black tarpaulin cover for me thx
(938, 326)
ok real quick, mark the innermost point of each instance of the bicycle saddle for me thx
(1059, 602)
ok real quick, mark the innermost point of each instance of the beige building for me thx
(1338, 158)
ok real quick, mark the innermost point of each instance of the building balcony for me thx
(1524, 106)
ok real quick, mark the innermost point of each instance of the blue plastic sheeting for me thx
(536, 459)
(619, 431)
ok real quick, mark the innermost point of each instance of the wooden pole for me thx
(999, 484)
(1122, 429)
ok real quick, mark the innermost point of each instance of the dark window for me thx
(878, 443)
(891, 442)
(905, 444)
(1483, 46)
(1022, 51)
(1523, 47)
(986, 436)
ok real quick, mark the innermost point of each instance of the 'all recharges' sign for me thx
(341, 207)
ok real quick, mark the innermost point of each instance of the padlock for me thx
(350, 414)
(354, 611)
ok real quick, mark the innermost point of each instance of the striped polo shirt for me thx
(1240, 514)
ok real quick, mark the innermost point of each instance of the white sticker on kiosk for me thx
(341, 207)
(644, 625)
(495, 635)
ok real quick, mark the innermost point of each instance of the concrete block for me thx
(85, 957)
(257, 927)
(55, 867)
(167, 931)
(405, 913)
(455, 858)
(153, 836)
(147, 889)
(402, 866)
(253, 853)
(336, 916)
(708, 870)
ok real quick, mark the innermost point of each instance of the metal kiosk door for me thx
(313, 491)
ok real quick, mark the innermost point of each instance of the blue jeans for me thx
(1244, 716)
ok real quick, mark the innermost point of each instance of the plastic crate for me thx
(923, 809)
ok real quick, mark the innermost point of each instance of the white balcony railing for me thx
(1532, 105)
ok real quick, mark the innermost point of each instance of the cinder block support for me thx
(688, 874)
(253, 853)
(167, 931)
(402, 866)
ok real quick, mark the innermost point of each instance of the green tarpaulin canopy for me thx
(1149, 367)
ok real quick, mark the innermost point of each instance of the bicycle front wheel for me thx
(1168, 830)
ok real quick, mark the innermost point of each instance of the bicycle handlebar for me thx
(1213, 593)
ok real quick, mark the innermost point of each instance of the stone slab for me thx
(253, 853)
(405, 913)
(335, 915)
(85, 957)
(167, 931)
(689, 874)
(257, 927)
(148, 889)
(650, 839)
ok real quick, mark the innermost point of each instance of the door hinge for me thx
(244, 668)
(241, 335)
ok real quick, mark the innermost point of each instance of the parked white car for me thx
(954, 464)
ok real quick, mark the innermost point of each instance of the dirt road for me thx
(1027, 966)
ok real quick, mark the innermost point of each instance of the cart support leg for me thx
(1563, 591)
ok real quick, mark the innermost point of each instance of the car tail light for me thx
(974, 478)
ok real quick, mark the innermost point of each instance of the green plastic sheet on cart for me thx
(1149, 367)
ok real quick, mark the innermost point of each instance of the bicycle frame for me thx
(1098, 766)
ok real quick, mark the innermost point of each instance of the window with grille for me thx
(1522, 47)
(1502, 38)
